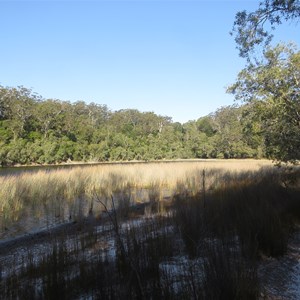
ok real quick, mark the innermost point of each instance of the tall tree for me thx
(46, 113)
(16, 106)
(251, 28)
(272, 86)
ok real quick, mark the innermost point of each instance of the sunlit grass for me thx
(223, 217)
(67, 192)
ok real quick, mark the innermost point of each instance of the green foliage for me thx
(47, 131)
(270, 84)
(205, 124)
(271, 88)
(250, 27)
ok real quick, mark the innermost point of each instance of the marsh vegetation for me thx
(42, 197)
(182, 230)
(177, 230)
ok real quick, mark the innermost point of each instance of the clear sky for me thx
(174, 58)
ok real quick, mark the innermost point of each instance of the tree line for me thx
(34, 130)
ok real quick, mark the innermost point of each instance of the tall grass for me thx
(63, 194)
(256, 208)
(207, 246)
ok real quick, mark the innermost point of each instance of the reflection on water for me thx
(38, 197)
(39, 217)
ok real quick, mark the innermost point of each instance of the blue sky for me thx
(171, 57)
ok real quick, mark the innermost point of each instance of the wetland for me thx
(186, 229)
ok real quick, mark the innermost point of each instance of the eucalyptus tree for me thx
(47, 112)
(16, 106)
(255, 28)
(272, 87)
(270, 84)
(229, 139)
(205, 125)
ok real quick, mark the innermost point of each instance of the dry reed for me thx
(60, 192)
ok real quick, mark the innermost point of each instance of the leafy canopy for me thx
(251, 29)
(272, 88)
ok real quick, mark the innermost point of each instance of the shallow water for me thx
(281, 277)
(34, 219)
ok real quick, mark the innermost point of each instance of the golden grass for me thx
(53, 189)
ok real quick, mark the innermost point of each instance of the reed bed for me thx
(65, 193)
(220, 224)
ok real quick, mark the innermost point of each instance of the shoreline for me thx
(80, 163)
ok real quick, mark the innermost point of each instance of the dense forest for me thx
(34, 130)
